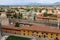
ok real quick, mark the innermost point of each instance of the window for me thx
(56, 34)
(51, 34)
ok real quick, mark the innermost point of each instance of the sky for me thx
(20, 2)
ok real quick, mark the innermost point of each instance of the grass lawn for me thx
(17, 38)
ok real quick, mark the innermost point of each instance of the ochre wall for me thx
(31, 33)
(39, 34)
(59, 36)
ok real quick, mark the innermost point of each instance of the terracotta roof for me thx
(42, 28)
(58, 15)
(51, 18)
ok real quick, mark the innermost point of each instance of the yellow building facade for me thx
(49, 34)
(30, 32)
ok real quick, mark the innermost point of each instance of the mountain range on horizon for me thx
(38, 4)
(56, 3)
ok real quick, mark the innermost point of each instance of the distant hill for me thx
(57, 3)
(36, 4)
(45, 4)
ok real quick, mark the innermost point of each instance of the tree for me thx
(46, 10)
(2, 10)
(0, 13)
(20, 15)
(17, 24)
(17, 9)
(50, 15)
(40, 10)
(8, 15)
(52, 11)
(34, 17)
(35, 9)
(15, 16)
(27, 10)
(45, 14)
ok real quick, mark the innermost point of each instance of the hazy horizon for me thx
(22, 2)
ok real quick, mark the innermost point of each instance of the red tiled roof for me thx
(51, 18)
(42, 28)
(58, 15)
